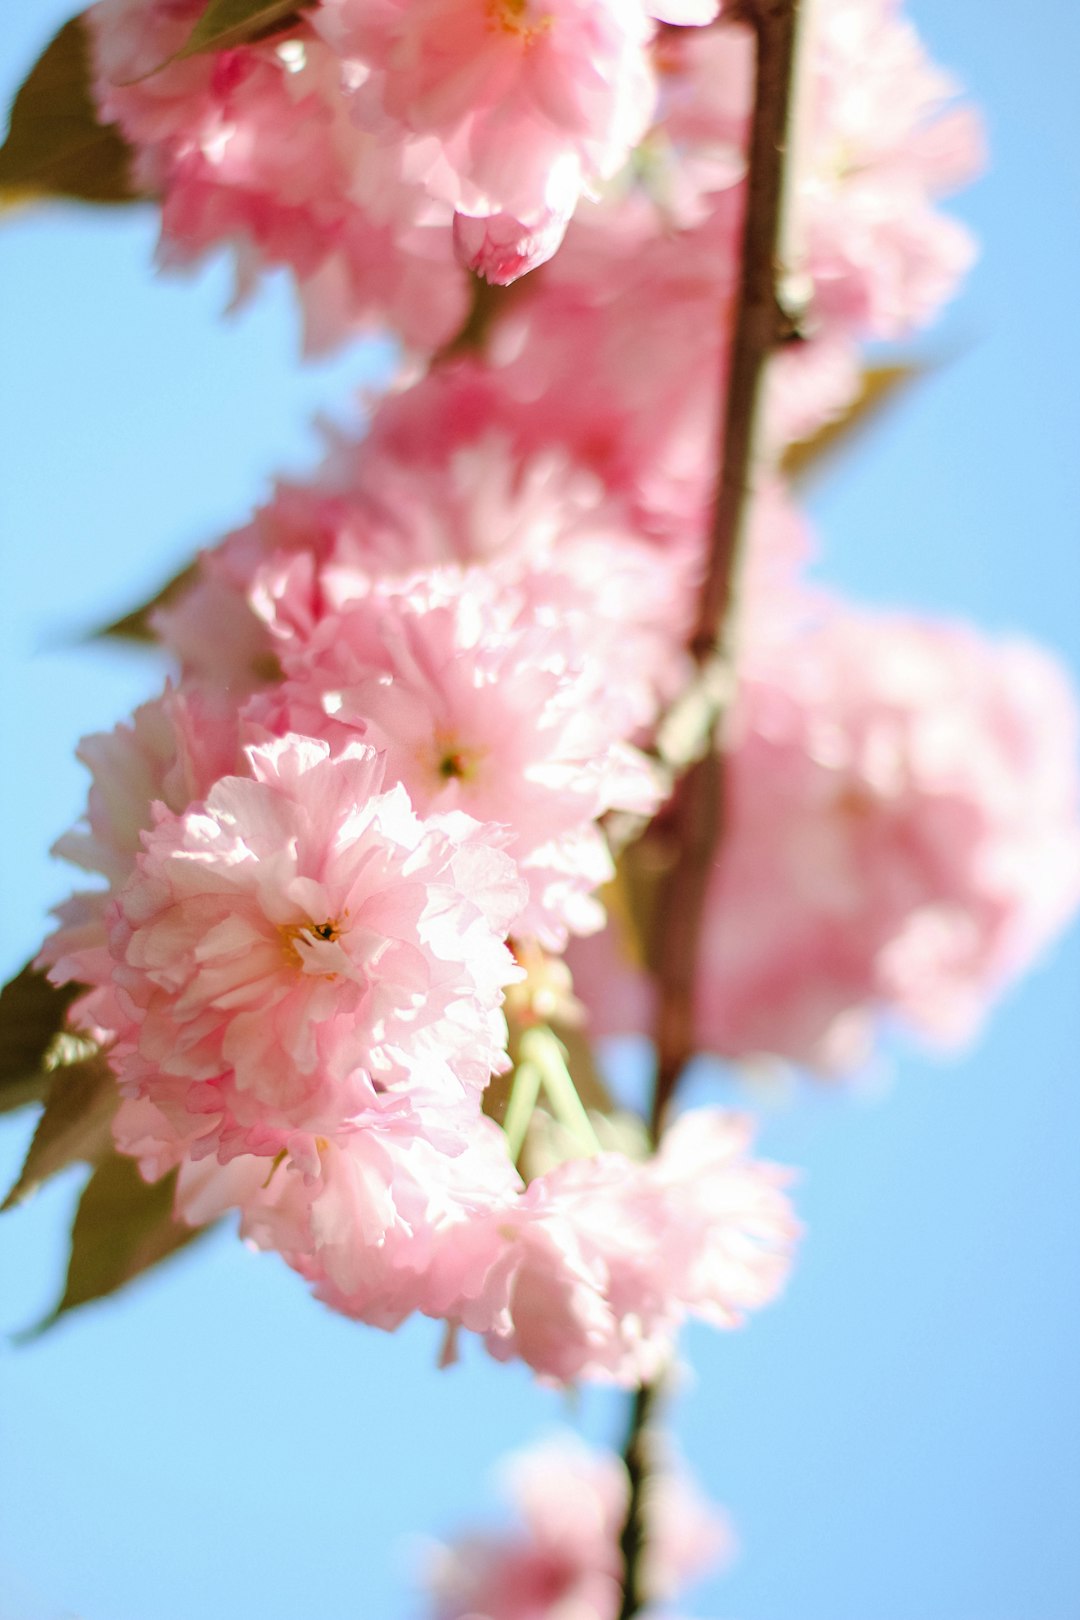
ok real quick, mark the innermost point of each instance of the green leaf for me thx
(32, 1013)
(55, 145)
(227, 23)
(123, 1227)
(880, 387)
(135, 626)
(75, 1125)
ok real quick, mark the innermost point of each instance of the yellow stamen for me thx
(298, 937)
(512, 17)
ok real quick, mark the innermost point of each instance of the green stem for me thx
(542, 1048)
(519, 1110)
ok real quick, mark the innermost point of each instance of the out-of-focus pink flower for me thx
(459, 470)
(903, 837)
(880, 141)
(871, 255)
(595, 1269)
(344, 144)
(635, 400)
(301, 948)
(525, 103)
(501, 247)
(565, 1562)
(253, 148)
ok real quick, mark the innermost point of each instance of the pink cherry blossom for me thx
(600, 1262)
(253, 148)
(301, 948)
(880, 142)
(526, 103)
(903, 837)
(172, 751)
(439, 481)
(635, 400)
(361, 1216)
(867, 245)
(501, 248)
(564, 1560)
(476, 711)
(455, 471)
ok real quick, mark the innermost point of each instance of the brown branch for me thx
(760, 324)
(632, 1542)
(487, 302)
(696, 814)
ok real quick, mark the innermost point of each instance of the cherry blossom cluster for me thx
(903, 840)
(314, 883)
(379, 147)
(419, 700)
(564, 1560)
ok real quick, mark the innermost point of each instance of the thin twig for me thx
(696, 815)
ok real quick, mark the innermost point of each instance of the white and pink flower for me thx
(475, 710)
(302, 949)
(594, 1269)
(564, 1560)
(903, 839)
(172, 751)
(525, 103)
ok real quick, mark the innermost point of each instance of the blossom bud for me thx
(501, 248)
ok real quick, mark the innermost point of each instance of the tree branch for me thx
(697, 809)
(632, 1542)
(760, 324)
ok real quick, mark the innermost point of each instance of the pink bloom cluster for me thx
(564, 1563)
(903, 839)
(377, 146)
(255, 148)
(315, 859)
(867, 253)
(419, 697)
(602, 1260)
(300, 947)
(881, 142)
(365, 143)
(448, 478)
(297, 971)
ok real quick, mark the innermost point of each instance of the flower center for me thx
(452, 767)
(454, 763)
(856, 803)
(301, 939)
(512, 17)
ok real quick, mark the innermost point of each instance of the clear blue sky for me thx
(900, 1438)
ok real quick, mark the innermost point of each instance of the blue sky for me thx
(899, 1438)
